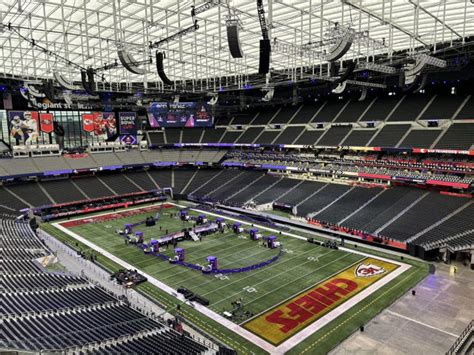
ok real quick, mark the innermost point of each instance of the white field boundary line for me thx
(344, 307)
(294, 340)
(200, 308)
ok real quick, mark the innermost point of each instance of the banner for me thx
(179, 114)
(46, 122)
(109, 125)
(101, 124)
(128, 123)
(88, 122)
(128, 127)
(23, 126)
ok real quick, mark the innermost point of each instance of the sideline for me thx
(286, 345)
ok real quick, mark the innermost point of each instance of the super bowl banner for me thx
(128, 127)
(46, 122)
(23, 126)
(100, 124)
(290, 317)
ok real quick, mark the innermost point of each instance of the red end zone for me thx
(114, 215)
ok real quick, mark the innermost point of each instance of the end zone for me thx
(290, 317)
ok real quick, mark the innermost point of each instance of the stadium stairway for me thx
(440, 221)
(334, 201)
(42, 311)
(402, 212)
(244, 188)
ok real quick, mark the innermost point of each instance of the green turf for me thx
(296, 270)
(259, 289)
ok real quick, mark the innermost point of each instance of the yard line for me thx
(299, 292)
(261, 270)
(286, 271)
(248, 256)
(242, 259)
(199, 257)
(223, 263)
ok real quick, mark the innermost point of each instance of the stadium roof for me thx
(89, 33)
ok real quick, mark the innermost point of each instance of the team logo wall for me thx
(46, 122)
(370, 270)
(24, 126)
(288, 318)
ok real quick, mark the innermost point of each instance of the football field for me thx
(300, 292)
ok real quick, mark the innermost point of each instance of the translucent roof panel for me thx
(89, 33)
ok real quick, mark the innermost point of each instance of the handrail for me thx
(461, 339)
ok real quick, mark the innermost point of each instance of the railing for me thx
(137, 300)
(461, 339)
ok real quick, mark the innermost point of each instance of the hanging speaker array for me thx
(87, 78)
(130, 63)
(233, 39)
(160, 56)
(48, 89)
(63, 82)
(264, 59)
(341, 47)
(348, 73)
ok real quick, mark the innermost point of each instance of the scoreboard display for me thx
(180, 114)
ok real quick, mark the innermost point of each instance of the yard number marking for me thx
(250, 289)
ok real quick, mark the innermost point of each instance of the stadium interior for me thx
(287, 145)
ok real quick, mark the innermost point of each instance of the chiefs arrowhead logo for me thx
(364, 270)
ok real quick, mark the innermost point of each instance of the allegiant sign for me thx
(287, 319)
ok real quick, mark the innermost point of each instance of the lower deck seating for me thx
(200, 178)
(346, 204)
(218, 180)
(45, 312)
(389, 211)
(162, 177)
(276, 191)
(322, 198)
(233, 186)
(304, 190)
(253, 189)
(9, 202)
(389, 197)
(165, 343)
(62, 191)
(31, 193)
(142, 179)
(92, 187)
(429, 210)
(181, 179)
(453, 228)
